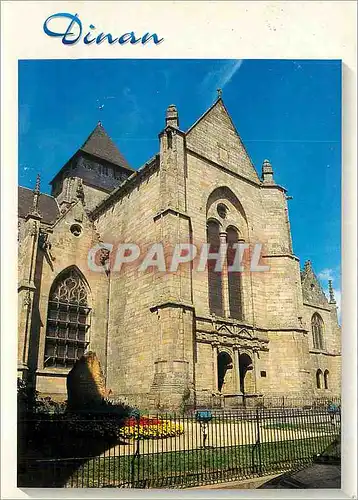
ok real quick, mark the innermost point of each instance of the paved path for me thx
(245, 484)
(218, 435)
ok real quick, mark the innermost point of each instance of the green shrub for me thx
(45, 417)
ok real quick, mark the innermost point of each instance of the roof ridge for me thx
(41, 192)
(203, 115)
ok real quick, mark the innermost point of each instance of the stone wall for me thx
(66, 250)
(93, 196)
(272, 299)
(143, 323)
(329, 358)
(134, 336)
(214, 137)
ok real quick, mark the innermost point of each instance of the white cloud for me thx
(228, 72)
(220, 77)
(332, 274)
(326, 274)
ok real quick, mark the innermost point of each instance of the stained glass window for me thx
(67, 320)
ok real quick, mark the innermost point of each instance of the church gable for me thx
(311, 288)
(74, 232)
(73, 214)
(214, 137)
(70, 240)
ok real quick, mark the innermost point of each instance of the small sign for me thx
(203, 416)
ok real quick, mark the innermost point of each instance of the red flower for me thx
(144, 421)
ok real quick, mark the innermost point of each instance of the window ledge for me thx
(56, 372)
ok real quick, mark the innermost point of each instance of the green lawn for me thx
(199, 466)
(317, 426)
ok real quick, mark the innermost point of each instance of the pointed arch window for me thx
(214, 277)
(67, 320)
(317, 331)
(234, 277)
(325, 376)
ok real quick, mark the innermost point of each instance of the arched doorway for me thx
(246, 374)
(225, 366)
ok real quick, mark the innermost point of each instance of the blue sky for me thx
(286, 111)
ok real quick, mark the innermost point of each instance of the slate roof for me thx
(101, 145)
(47, 204)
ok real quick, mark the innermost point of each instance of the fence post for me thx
(257, 468)
(258, 420)
(136, 454)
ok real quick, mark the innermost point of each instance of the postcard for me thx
(177, 193)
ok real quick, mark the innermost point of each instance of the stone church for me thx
(165, 339)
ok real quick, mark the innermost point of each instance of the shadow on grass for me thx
(53, 446)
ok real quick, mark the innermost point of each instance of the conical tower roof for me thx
(101, 145)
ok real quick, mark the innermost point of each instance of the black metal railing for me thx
(202, 447)
(247, 401)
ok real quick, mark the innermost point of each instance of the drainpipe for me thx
(108, 273)
(106, 265)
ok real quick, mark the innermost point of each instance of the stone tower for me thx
(92, 172)
(173, 378)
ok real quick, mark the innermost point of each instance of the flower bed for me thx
(150, 428)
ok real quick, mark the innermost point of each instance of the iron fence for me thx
(175, 451)
(249, 401)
